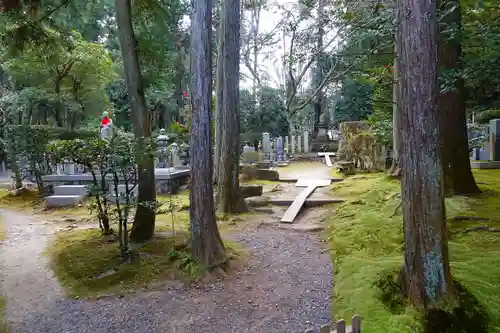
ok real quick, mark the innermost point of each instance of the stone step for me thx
(310, 202)
(121, 199)
(55, 201)
(294, 180)
(122, 189)
(71, 190)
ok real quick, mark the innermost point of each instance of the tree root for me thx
(396, 209)
(477, 228)
(471, 218)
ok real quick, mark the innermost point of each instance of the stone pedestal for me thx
(322, 142)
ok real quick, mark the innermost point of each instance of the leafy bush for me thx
(359, 144)
(109, 161)
(25, 146)
(484, 117)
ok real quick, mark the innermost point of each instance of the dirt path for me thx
(286, 288)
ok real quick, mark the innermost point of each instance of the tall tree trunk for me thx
(256, 9)
(455, 145)
(219, 96)
(207, 247)
(427, 271)
(318, 76)
(144, 221)
(229, 199)
(395, 170)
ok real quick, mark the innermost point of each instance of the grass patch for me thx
(28, 199)
(3, 229)
(367, 244)
(4, 328)
(89, 265)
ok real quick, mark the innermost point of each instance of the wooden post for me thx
(340, 327)
(324, 329)
(356, 324)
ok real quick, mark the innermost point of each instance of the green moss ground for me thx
(88, 265)
(367, 242)
(4, 328)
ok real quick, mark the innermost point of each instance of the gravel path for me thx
(285, 287)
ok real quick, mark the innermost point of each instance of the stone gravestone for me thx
(306, 141)
(266, 145)
(279, 149)
(495, 140)
(161, 148)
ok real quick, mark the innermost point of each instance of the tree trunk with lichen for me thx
(206, 244)
(395, 170)
(427, 271)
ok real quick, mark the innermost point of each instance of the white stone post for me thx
(293, 144)
(306, 141)
(287, 144)
(299, 144)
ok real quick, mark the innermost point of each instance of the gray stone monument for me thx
(495, 140)
(279, 149)
(266, 145)
(162, 149)
(306, 141)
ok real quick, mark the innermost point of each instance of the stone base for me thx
(58, 201)
(485, 165)
(316, 145)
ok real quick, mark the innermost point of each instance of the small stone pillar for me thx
(306, 141)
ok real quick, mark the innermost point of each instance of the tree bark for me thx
(229, 199)
(8, 5)
(318, 75)
(207, 247)
(395, 170)
(219, 96)
(427, 271)
(452, 110)
(144, 221)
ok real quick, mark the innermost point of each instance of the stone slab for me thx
(160, 174)
(485, 165)
(122, 189)
(309, 202)
(327, 156)
(297, 204)
(294, 180)
(71, 190)
(121, 199)
(313, 182)
(57, 201)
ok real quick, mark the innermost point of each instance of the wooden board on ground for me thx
(327, 156)
(310, 184)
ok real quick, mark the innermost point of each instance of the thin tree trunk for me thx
(455, 145)
(219, 96)
(395, 170)
(427, 271)
(144, 222)
(207, 247)
(318, 76)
